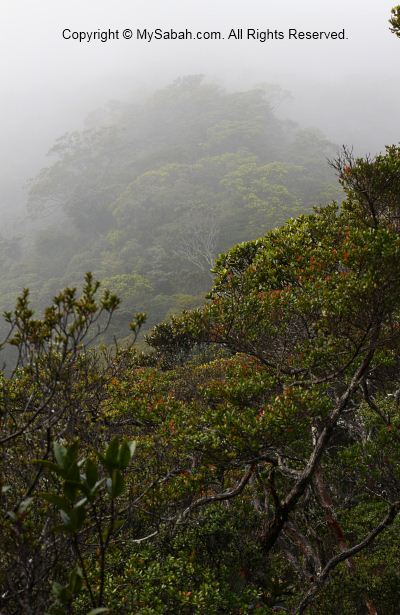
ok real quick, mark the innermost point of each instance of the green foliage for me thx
(150, 193)
(395, 21)
(83, 495)
(266, 422)
(266, 476)
(297, 310)
(49, 408)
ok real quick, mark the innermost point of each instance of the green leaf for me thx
(78, 517)
(115, 484)
(60, 453)
(111, 457)
(72, 455)
(58, 501)
(49, 465)
(95, 488)
(73, 519)
(56, 589)
(126, 451)
(92, 474)
(75, 580)
(100, 609)
(71, 488)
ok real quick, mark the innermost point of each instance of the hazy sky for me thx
(350, 89)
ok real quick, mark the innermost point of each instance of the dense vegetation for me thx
(249, 460)
(266, 423)
(150, 193)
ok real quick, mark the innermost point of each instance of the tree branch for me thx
(344, 555)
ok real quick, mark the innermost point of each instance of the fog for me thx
(349, 89)
(186, 263)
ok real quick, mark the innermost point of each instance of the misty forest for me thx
(209, 421)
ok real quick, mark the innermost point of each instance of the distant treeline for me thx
(150, 193)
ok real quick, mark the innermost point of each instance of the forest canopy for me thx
(247, 461)
(150, 193)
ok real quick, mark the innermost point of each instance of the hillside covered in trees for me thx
(247, 461)
(150, 193)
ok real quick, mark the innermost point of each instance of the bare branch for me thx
(344, 555)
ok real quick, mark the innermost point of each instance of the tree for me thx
(267, 424)
(395, 20)
(313, 307)
(120, 197)
(198, 240)
(50, 401)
